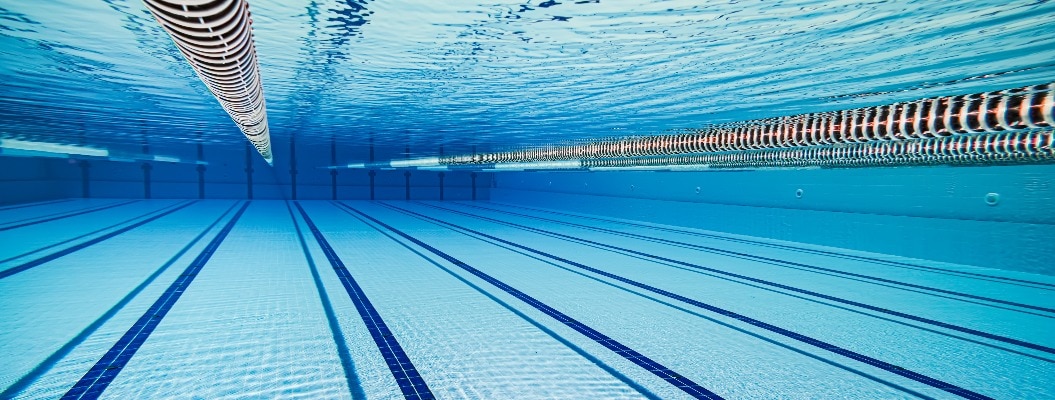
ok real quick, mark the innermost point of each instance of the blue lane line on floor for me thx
(351, 377)
(933, 382)
(127, 221)
(61, 214)
(40, 203)
(769, 260)
(762, 336)
(679, 381)
(407, 376)
(793, 248)
(26, 380)
(64, 215)
(916, 318)
(95, 381)
(645, 393)
(14, 270)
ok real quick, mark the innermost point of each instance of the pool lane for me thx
(698, 348)
(927, 380)
(464, 342)
(781, 260)
(58, 240)
(351, 375)
(48, 307)
(939, 356)
(29, 213)
(22, 266)
(61, 216)
(32, 381)
(34, 204)
(998, 324)
(943, 272)
(250, 325)
(95, 381)
(24, 243)
(403, 370)
(677, 380)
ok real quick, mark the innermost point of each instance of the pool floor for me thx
(121, 298)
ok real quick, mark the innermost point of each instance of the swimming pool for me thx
(526, 199)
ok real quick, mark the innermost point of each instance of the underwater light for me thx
(416, 162)
(23, 148)
(216, 38)
(44, 149)
(167, 159)
(546, 165)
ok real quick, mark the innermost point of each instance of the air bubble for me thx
(992, 199)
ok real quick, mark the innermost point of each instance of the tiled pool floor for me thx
(318, 299)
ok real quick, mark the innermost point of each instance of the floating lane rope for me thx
(1006, 126)
(998, 148)
(216, 38)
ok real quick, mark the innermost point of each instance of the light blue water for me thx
(902, 282)
(511, 73)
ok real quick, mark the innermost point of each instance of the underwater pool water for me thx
(147, 250)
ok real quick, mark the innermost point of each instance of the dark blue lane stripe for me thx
(933, 382)
(793, 248)
(645, 393)
(351, 377)
(14, 270)
(681, 382)
(44, 366)
(40, 249)
(39, 203)
(52, 213)
(715, 250)
(408, 378)
(945, 325)
(95, 381)
(63, 215)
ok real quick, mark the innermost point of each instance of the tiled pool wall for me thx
(994, 217)
(225, 176)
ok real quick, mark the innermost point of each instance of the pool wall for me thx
(936, 213)
(996, 217)
(24, 179)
